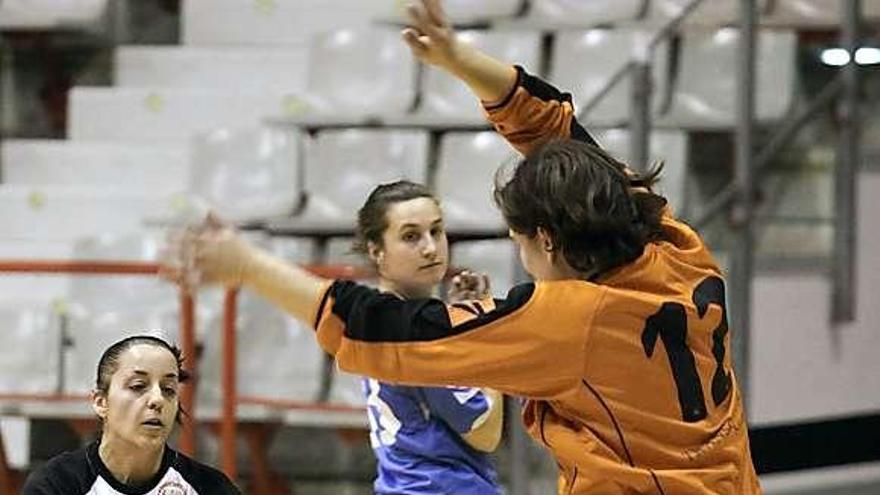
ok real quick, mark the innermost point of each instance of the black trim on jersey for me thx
(323, 303)
(509, 96)
(578, 133)
(816, 444)
(97, 466)
(617, 428)
(373, 316)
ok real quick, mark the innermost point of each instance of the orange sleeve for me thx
(531, 344)
(534, 113)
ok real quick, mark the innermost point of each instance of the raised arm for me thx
(214, 253)
(524, 109)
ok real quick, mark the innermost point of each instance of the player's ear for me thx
(99, 404)
(544, 240)
(375, 252)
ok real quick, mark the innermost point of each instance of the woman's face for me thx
(415, 253)
(141, 403)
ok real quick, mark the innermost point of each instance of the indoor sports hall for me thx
(123, 120)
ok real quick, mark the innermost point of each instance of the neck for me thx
(128, 463)
(405, 292)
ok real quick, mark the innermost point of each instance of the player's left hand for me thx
(468, 286)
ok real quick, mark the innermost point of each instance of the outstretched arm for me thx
(214, 253)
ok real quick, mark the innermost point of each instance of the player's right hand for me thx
(205, 254)
(430, 36)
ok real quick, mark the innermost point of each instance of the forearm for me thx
(487, 434)
(284, 284)
(490, 79)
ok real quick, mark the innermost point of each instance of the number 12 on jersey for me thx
(670, 325)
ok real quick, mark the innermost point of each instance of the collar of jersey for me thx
(97, 466)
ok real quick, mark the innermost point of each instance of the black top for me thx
(81, 472)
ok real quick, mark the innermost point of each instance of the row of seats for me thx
(368, 76)
(255, 174)
(278, 21)
(207, 22)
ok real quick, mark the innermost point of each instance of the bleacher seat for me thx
(708, 13)
(31, 349)
(496, 258)
(270, 69)
(150, 169)
(276, 355)
(466, 168)
(705, 94)
(584, 61)
(447, 100)
(247, 174)
(581, 14)
(343, 166)
(141, 114)
(243, 22)
(103, 309)
(670, 146)
(34, 289)
(363, 74)
(812, 13)
(57, 213)
(50, 14)
(468, 12)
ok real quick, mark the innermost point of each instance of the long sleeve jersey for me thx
(629, 379)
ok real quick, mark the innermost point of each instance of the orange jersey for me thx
(628, 379)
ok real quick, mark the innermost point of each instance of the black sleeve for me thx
(66, 474)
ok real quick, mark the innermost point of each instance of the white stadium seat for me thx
(468, 12)
(445, 99)
(142, 114)
(578, 13)
(247, 174)
(466, 167)
(50, 14)
(360, 74)
(57, 213)
(584, 61)
(343, 166)
(150, 169)
(708, 13)
(705, 94)
(276, 355)
(812, 13)
(270, 69)
(670, 146)
(244, 22)
(31, 349)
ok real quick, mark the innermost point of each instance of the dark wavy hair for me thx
(372, 219)
(109, 363)
(598, 214)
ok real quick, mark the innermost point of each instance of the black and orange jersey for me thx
(628, 379)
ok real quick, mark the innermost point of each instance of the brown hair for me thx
(598, 214)
(372, 218)
(109, 362)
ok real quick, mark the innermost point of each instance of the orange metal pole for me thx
(188, 393)
(230, 398)
(82, 267)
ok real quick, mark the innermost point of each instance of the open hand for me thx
(209, 253)
(430, 36)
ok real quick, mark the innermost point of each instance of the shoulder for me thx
(203, 478)
(63, 473)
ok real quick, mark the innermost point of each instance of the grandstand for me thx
(122, 117)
